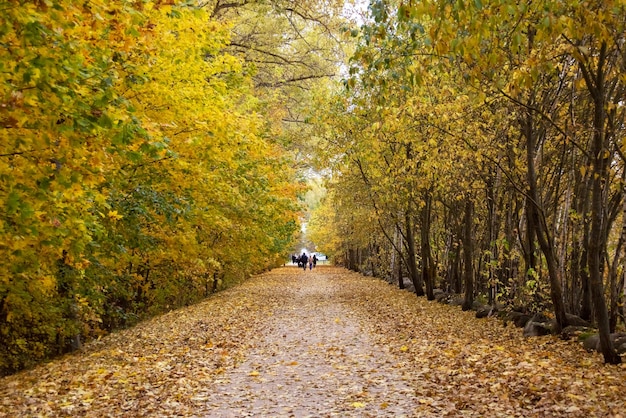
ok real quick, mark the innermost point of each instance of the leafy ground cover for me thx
(321, 343)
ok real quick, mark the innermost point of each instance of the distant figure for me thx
(303, 260)
(310, 263)
(293, 259)
(314, 260)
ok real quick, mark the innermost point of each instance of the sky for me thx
(356, 10)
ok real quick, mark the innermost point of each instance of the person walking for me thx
(310, 262)
(303, 260)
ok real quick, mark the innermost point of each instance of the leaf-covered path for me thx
(319, 343)
(316, 358)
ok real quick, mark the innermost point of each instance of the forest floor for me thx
(321, 343)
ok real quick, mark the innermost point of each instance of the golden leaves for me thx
(138, 143)
(113, 215)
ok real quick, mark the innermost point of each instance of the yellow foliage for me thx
(135, 164)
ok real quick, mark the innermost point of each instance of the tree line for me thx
(478, 147)
(146, 157)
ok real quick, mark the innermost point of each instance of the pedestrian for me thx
(303, 260)
(314, 260)
(310, 262)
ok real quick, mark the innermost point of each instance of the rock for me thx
(456, 300)
(591, 342)
(518, 318)
(442, 297)
(619, 342)
(537, 326)
(482, 312)
(486, 311)
(408, 284)
(577, 321)
(572, 331)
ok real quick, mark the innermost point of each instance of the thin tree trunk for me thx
(427, 273)
(613, 286)
(536, 219)
(412, 265)
(468, 255)
(600, 158)
(399, 247)
(394, 253)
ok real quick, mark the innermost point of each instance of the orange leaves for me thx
(164, 365)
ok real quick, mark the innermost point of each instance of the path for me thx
(326, 343)
(316, 359)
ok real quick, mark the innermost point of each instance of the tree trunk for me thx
(412, 264)
(399, 250)
(215, 282)
(394, 253)
(613, 286)
(493, 229)
(622, 284)
(579, 296)
(536, 218)
(600, 158)
(530, 251)
(468, 255)
(427, 259)
(457, 282)
(585, 302)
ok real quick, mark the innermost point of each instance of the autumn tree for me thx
(139, 170)
(526, 100)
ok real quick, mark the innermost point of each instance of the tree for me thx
(137, 166)
(520, 103)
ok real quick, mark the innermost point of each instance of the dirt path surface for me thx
(322, 343)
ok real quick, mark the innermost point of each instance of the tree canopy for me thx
(146, 156)
(485, 140)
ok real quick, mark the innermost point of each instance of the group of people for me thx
(304, 260)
